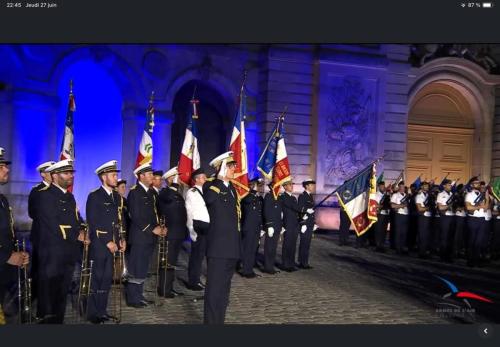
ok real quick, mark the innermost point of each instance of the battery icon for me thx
(487, 5)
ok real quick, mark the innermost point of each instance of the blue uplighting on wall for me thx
(97, 123)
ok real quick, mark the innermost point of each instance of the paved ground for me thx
(346, 286)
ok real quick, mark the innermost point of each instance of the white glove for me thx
(270, 231)
(193, 235)
(303, 229)
(310, 211)
(315, 227)
(305, 217)
(262, 233)
(282, 231)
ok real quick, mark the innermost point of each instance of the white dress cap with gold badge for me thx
(42, 167)
(65, 165)
(110, 166)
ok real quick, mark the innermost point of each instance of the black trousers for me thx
(447, 226)
(460, 234)
(289, 247)
(250, 242)
(412, 231)
(345, 223)
(102, 277)
(198, 252)
(138, 264)
(219, 274)
(305, 245)
(476, 228)
(52, 293)
(167, 274)
(401, 224)
(381, 230)
(270, 247)
(495, 242)
(424, 235)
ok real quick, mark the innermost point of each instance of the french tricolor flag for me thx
(145, 153)
(358, 198)
(190, 156)
(239, 148)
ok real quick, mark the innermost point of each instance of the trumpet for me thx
(162, 262)
(84, 289)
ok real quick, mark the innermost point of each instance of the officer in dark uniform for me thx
(460, 222)
(157, 183)
(173, 209)
(10, 260)
(308, 226)
(291, 212)
(383, 216)
(60, 232)
(223, 238)
(143, 232)
(34, 235)
(251, 225)
(273, 223)
(103, 207)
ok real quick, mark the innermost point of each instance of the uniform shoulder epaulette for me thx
(133, 187)
(215, 189)
(44, 188)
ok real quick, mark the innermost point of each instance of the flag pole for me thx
(354, 177)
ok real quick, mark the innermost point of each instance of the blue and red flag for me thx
(239, 148)
(190, 156)
(145, 153)
(68, 142)
(358, 198)
(273, 162)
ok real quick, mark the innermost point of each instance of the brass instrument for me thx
(24, 288)
(84, 289)
(162, 262)
(119, 270)
(23, 280)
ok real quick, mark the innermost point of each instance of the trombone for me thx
(162, 263)
(119, 270)
(85, 276)
(23, 280)
(23, 288)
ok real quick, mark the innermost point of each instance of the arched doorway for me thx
(214, 122)
(440, 134)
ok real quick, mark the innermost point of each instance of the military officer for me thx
(476, 204)
(10, 259)
(223, 238)
(447, 221)
(103, 208)
(251, 226)
(460, 222)
(121, 187)
(383, 216)
(143, 232)
(60, 231)
(422, 201)
(308, 226)
(198, 221)
(173, 209)
(291, 212)
(273, 224)
(399, 203)
(32, 205)
(157, 183)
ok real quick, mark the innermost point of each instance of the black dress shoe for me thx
(270, 272)
(169, 295)
(196, 287)
(138, 305)
(306, 267)
(177, 293)
(290, 269)
(108, 317)
(147, 302)
(250, 275)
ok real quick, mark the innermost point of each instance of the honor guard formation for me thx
(122, 238)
